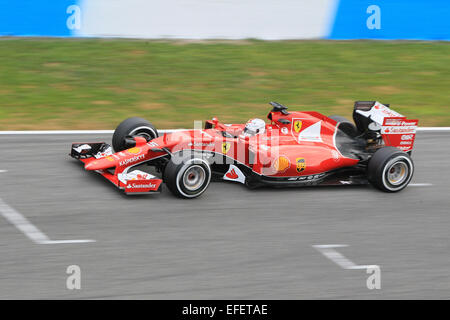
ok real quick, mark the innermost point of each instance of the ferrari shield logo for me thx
(297, 125)
(301, 164)
(226, 147)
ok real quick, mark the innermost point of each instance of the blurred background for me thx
(87, 64)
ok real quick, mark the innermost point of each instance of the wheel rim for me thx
(194, 177)
(397, 173)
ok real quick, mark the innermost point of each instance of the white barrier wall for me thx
(202, 19)
(228, 19)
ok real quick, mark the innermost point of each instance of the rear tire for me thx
(187, 176)
(390, 169)
(132, 127)
(345, 125)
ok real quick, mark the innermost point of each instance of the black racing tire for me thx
(132, 127)
(345, 125)
(187, 176)
(390, 169)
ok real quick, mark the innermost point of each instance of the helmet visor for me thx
(249, 132)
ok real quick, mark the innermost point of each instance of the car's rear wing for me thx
(399, 132)
(396, 130)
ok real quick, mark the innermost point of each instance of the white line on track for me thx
(433, 129)
(328, 250)
(31, 231)
(1, 171)
(420, 185)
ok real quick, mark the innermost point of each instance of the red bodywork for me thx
(295, 145)
(279, 151)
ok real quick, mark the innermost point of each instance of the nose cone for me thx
(91, 165)
(100, 164)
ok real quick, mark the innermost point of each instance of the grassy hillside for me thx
(94, 84)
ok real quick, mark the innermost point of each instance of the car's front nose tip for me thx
(90, 166)
(97, 165)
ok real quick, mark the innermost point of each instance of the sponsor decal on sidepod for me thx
(301, 164)
(281, 164)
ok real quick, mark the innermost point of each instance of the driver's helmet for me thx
(254, 127)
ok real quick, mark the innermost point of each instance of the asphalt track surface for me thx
(231, 243)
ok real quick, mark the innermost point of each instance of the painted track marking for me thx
(420, 185)
(30, 230)
(1, 171)
(328, 250)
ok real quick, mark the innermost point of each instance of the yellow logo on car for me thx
(301, 164)
(281, 164)
(226, 147)
(297, 125)
(134, 150)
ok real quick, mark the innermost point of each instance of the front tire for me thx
(132, 127)
(188, 177)
(390, 169)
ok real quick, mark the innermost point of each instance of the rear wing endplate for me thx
(399, 132)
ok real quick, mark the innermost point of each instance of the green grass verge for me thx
(94, 84)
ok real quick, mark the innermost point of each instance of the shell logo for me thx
(110, 158)
(134, 150)
(281, 164)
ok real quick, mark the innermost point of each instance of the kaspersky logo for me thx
(131, 160)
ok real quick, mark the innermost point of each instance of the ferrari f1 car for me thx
(294, 149)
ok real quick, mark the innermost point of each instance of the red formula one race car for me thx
(295, 149)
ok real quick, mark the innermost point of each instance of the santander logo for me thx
(140, 186)
(232, 174)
